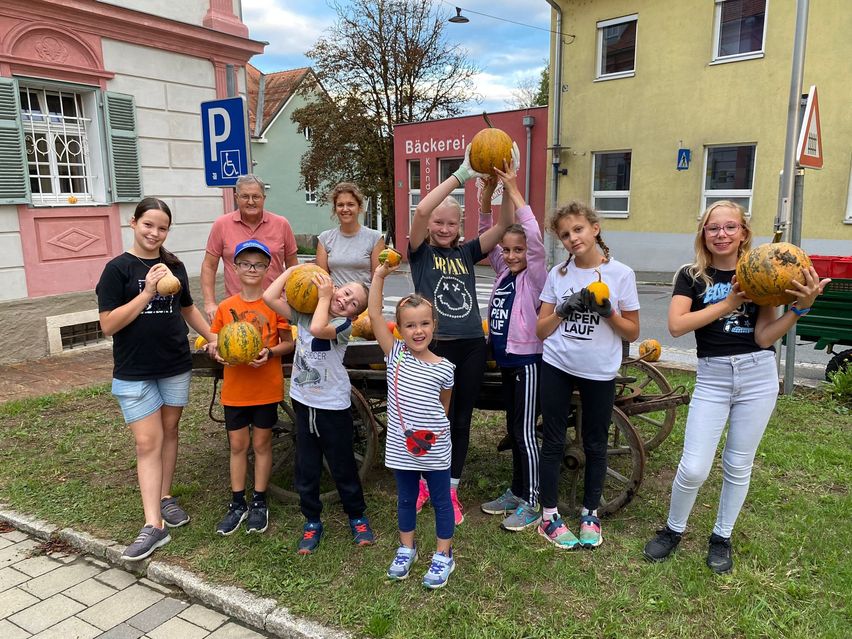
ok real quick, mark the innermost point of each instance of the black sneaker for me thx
(661, 546)
(258, 517)
(719, 554)
(232, 520)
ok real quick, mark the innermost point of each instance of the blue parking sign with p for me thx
(225, 135)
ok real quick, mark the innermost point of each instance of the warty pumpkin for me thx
(239, 342)
(489, 148)
(301, 293)
(650, 350)
(389, 255)
(766, 271)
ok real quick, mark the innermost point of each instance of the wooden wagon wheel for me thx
(625, 466)
(653, 426)
(365, 444)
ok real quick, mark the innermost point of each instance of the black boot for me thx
(661, 546)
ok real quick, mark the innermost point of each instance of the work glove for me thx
(574, 304)
(516, 157)
(604, 310)
(465, 171)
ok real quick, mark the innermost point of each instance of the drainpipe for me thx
(258, 115)
(529, 123)
(555, 112)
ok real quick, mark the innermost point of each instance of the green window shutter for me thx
(123, 145)
(14, 180)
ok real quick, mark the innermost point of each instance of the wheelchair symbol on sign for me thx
(229, 162)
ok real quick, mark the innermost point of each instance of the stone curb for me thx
(261, 613)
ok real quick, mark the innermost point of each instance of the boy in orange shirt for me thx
(251, 392)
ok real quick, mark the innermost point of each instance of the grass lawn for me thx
(70, 460)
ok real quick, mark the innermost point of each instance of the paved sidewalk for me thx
(51, 591)
(55, 374)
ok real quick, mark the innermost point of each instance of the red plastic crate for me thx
(822, 264)
(841, 267)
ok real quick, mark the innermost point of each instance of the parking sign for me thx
(225, 134)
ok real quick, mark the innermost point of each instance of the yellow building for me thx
(642, 79)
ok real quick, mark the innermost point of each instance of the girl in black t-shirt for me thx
(442, 271)
(152, 362)
(736, 380)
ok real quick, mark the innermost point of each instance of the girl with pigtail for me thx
(582, 339)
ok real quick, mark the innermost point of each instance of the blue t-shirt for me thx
(499, 316)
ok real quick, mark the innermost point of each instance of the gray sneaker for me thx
(172, 513)
(503, 505)
(523, 517)
(150, 538)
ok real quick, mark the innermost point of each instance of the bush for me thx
(306, 250)
(840, 385)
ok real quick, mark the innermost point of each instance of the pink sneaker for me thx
(457, 507)
(422, 495)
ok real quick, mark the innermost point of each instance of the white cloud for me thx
(288, 27)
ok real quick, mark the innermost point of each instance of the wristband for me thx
(800, 311)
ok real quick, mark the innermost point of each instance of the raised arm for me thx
(375, 303)
(420, 223)
(274, 297)
(321, 328)
(374, 255)
(492, 236)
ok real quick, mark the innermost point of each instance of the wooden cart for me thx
(643, 416)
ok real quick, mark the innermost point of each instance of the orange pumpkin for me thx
(599, 289)
(765, 272)
(302, 295)
(239, 342)
(650, 350)
(363, 327)
(389, 255)
(200, 342)
(168, 285)
(489, 148)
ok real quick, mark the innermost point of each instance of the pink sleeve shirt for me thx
(229, 230)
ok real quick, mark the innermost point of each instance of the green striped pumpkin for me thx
(302, 295)
(239, 342)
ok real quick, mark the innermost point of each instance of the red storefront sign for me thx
(425, 153)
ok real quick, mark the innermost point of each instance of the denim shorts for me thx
(140, 398)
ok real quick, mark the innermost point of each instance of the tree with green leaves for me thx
(384, 62)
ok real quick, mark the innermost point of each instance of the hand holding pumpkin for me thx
(807, 293)
(155, 274)
(573, 304)
(465, 171)
(324, 285)
(261, 358)
(386, 268)
(509, 177)
(601, 307)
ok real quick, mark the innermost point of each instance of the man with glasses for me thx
(249, 222)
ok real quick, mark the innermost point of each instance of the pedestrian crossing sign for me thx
(684, 156)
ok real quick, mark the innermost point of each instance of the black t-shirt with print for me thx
(446, 276)
(155, 344)
(732, 334)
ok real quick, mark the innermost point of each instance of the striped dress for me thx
(422, 440)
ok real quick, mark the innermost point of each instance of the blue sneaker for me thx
(401, 565)
(439, 571)
(503, 505)
(590, 531)
(523, 517)
(362, 534)
(311, 535)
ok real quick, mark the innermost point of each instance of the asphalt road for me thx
(654, 300)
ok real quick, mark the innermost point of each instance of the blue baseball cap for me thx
(252, 244)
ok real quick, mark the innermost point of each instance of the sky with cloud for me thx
(505, 52)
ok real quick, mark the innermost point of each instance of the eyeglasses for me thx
(730, 228)
(252, 266)
(251, 198)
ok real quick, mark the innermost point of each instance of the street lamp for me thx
(459, 18)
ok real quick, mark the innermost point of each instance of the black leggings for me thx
(468, 355)
(597, 398)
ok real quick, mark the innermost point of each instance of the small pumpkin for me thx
(650, 350)
(485, 326)
(168, 285)
(490, 148)
(491, 365)
(302, 295)
(766, 271)
(200, 342)
(392, 257)
(239, 342)
(363, 328)
(599, 289)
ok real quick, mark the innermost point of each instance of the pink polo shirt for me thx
(229, 230)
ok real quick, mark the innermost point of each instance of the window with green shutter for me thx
(124, 147)
(13, 161)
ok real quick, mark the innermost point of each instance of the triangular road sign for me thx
(809, 149)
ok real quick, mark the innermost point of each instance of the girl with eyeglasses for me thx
(736, 381)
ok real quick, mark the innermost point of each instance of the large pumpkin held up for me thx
(766, 271)
(302, 294)
(490, 148)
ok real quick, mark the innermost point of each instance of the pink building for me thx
(100, 106)
(426, 153)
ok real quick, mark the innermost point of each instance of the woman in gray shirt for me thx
(350, 252)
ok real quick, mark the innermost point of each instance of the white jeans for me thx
(741, 389)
